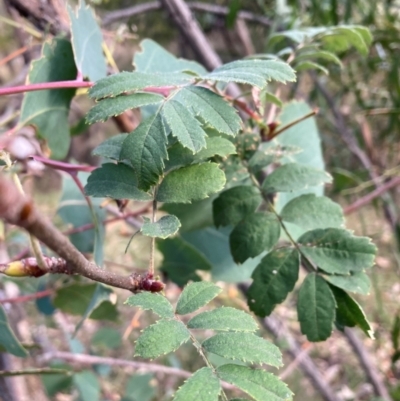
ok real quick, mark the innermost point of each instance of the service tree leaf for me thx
(196, 295)
(234, 204)
(223, 319)
(107, 108)
(145, 149)
(47, 110)
(335, 250)
(203, 385)
(116, 181)
(8, 340)
(87, 43)
(316, 308)
(161, 338)
(191, 183)
(155, 302)
(294, 177)
(246, 347)
(184, 126)
(162, 228)
(349, 313)
(356, 282)
(110, 148)
(273, 279)
(211, 108)
(257, 383)
(181, 260)
(256, 233)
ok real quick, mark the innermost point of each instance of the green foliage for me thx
(155, 302)
(355, 282)
(139, 388)
(163, 228)
(111, 148)
(8, 341)
(88, 385)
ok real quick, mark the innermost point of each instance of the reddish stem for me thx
(25, 298)
(67, 167)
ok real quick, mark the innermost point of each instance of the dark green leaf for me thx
(111, 148)
(139, 388)
(235, 204)
(273, 279)
(155, 302)
(88, 385)
(161, 338)
(162, 228)
(196, 295)
(247, 144)
(356, 282)
(117, 181)
(256, 233)
(316, 308)
(8, 340)
(106, 337)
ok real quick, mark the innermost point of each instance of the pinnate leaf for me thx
(161, 338)
(191, 183)
(246, 347)
(8, 341)
(335, 250)
(223, 319)
(273, 279)
(155, 302)
(316, 308)
(203, 385)
(145, 149)
(111, 148)
(196, 295)
(356, 282)
(256, 233)
(259, 384)
(163, 228)
(116, 181)
(235, 204)
(294, 177)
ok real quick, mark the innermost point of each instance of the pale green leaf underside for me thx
(151, 301)
(8, 341)
(161, 338)
(196, 295)
(246, 347)
(310, 65)
(223, 319)
(163, 228)
(358, 283)
(294, 177)
(110, 148)
(337, 251)
(203, 385)
(316, 308)
(191, 183)
(259, 384)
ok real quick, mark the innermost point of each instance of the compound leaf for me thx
(196, 295)
(223, 319)
(155, 302)
(163, 228)
(8, 341)
(161, 338)
(316, 308)
(191, 183)
(259, 384)
(273, 279)
(246, 347)
(203, 385)
(256, 233)
(110, 148)
(356, 282)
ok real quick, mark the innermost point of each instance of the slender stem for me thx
(153, 239)
(26, 298)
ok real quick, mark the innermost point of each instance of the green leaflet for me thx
(203, 385)
(294, 177)
(48, 110)
(191, 183)
(184, 126)
(349, 313)
(181, 260)
(145, 149)
(107, 108)
(273, 279)
(223, 319)
(116, 181)
(310, 65)
(319, 54)
(161, 338)
(259, 384)
(163, 228)
(246, 347)
(336, 250)
(140, 387)
(196, 295)
(247, 144)
(316, 308)
(235, 204)
(155, 302)
(256, 233)
(211, 108)
(110, 148)
(8, 341)
(88, 385)
(356, 282)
